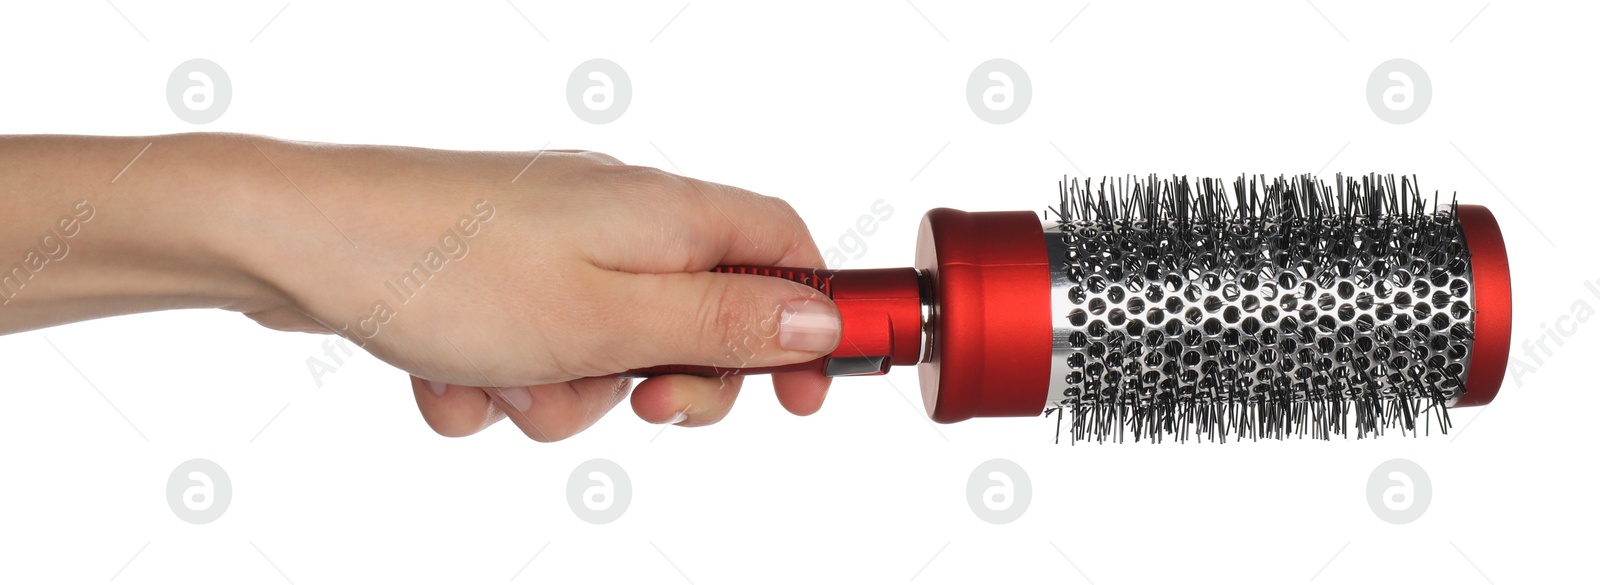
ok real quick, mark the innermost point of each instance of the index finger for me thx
(689, 225)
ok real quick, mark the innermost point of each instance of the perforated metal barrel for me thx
(1307, 316)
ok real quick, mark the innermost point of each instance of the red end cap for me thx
(1491, 292)
(991, 317)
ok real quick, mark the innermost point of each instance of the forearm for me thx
(96, 226)
(505, 283)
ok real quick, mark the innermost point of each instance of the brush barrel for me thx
(1180, 323)
(1279, 307)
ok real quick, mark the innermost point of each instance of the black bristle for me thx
(1211, 365)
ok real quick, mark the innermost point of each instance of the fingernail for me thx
(808, 326)
(517, 396)
(436, 387)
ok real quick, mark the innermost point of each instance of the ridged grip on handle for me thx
(880, 312)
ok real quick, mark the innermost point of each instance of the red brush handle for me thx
(880, 312)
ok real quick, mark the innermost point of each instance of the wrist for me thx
(108, 226)
(218, 198)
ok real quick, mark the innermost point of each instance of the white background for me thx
(830, 105)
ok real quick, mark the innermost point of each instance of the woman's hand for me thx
(506, 283)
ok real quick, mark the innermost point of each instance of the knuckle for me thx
(454, 423)
(636, 179)
(788, 212)
(670, 189)
(446, 429)
(783, 207)
(548, 429)
(599, 158)
(805, 244)
(541, 436)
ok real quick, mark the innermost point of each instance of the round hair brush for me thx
(1268, 307)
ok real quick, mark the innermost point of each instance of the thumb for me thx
(723, 320)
